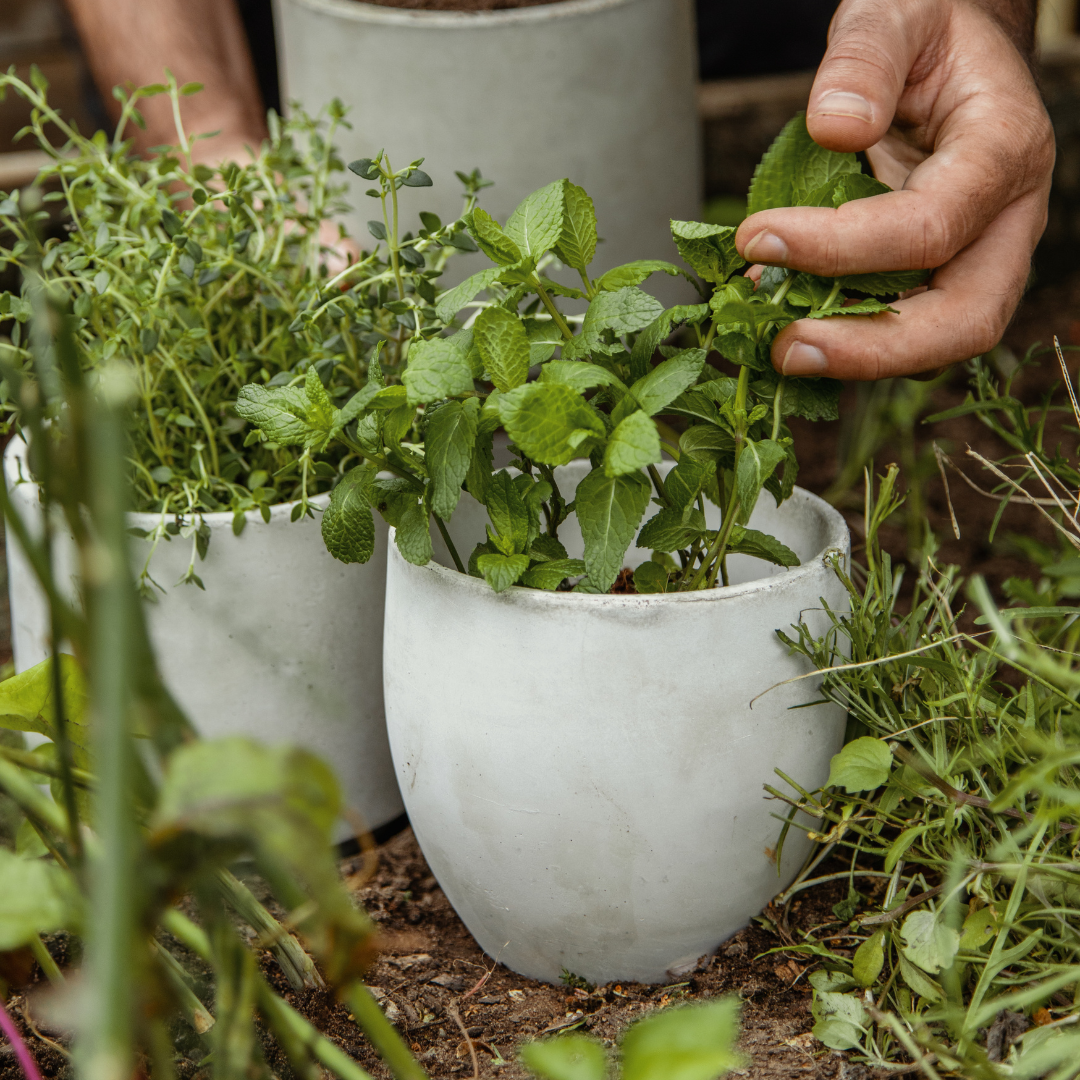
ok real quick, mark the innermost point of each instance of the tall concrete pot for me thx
(284, 644)
(584, 773)
(601, 91)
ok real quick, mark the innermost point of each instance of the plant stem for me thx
(449, 543)
(553, 311)
(658, 483)
(778, 407)
(45, 961)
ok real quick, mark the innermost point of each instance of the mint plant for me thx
(208, 279)
(431, 425)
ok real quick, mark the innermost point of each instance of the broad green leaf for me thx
(671, 529)
(634, 273)
(579, 375)
(840, 1019)
(650, 577)
(708, 444)
(451, 434)
(413, 534)
(478, 475)
(502, 571)
(979, 929)
(863, 307)
(757, 462)
(762, 546)
(922, 984)
(320, 410)
(280, 412)
(869, 959)
(550, 575)
(549, 422)
(665, 382)
(836, 1033)
(389, 398)
(36, 897)
(844, 188)
(491, 239)
(537, 223)
(547, 547)
(609, 510)
(708, 249)
(453, 300)
(436, 369)
(793, 167)
(928, 942)
(348, 529)
(653, 335)
(633, 444)
(500, 337)
(812, 399)
(577, 242)
(885, 284)
(572, 1057)
(621, 312)
(832, 982)
(901, 844)
(27, 702)
(694, 1042)
(685, 480)
(862, 765)
(508, 513)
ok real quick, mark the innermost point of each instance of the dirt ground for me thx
(450, 1000)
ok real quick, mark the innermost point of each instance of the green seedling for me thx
(713, 403)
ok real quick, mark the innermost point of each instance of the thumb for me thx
(873, 46)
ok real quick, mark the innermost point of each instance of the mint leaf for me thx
(634, 273)
(609, 510)
(579, 375)
(651, 337)
(508, 514)
(621, 312)
(413, 534)
(794, 167)
(537, 223)
(436, 369)
(708, 249)
(577, 241)
(478, 475)
(885, 284)
(757, 462)
(761, 546)
(633, 444)
(812, 399)
(501, 571)
(451, 434)
(278, 411)
(683, 482)
(650, 577)
(500, 338)
(863, 307)
(348, 529)
(671, 529)
(665, 382)
(491, 239)
(453, 300)
(708, 444)
(862, 765)
(551, 574)
(549, 422)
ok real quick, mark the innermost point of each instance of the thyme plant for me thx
(206, 279)
(713, 403)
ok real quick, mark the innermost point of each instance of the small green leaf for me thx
(863, 307)
(634, 273)
(577, 241)
(502, 571)
(694, 1042)
(451, 434)
(757, 462)
(549, 422)
(885, 284)
(278, 411)
(551, 574)
(761, 546)
(491, 239)
(572, 1057)
(348, 529)
(633, 444)
(980, 928)
(579, 375)
(508, 513)
(609, 510)
(436, 369)
(537, 224)
(869, 959)
(665, 382)
(453, 300)
(671, 529)
(413, 534)
(708, 249)
(36, 897)
(840, 1019)
(928, 942)
(503, 345)
(922, 984)
(621, 312)
(812, 399)
(862, 765)
(650, 577)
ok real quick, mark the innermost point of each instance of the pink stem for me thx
(22, 1052)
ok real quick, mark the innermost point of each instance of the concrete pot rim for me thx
(358, 11)
(544, 600)
(144, 519)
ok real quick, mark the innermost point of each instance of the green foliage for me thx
(694, 1042)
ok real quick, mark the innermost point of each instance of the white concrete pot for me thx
(601, 91)
(584, 773)
(285, 644)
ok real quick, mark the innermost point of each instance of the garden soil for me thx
(451, 1001)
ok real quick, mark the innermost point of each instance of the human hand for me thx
(948, 113)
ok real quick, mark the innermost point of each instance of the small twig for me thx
(452, 1012)
(570, 1021)
(938, 454)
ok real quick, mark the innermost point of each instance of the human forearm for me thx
(134, 41)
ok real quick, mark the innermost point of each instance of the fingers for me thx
(962, 314)
(872, 48)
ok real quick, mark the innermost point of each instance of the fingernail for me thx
(803, 359)
(845, 103)
(766, 248)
